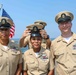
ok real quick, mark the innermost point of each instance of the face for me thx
(65, 27)
(4, 33)
(36, 42)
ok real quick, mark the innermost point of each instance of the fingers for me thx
(26, 33)
(43, 33)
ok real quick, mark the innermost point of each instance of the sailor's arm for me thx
(46, 38)
(22, 40)
(48, 41)
(19, 69)
(51, 72)
(25, 73)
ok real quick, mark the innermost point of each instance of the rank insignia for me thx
(74, 47)
(44, 56)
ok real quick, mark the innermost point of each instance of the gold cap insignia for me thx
(63, 15)
(35, 28)
(3, 21)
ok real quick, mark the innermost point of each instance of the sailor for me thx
(46, 41)
(63, 48)
(10, 55)
(24, 41)
(37, 60)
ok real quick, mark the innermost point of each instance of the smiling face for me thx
(36, 42)
(4, 33)
(65, 27)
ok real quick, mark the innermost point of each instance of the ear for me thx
(71, 24)
(58, 25)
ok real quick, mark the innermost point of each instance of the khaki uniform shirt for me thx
(65, 55)
(27, 42)
(9, 59)
(37, 65)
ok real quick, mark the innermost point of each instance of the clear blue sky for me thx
(26, 12)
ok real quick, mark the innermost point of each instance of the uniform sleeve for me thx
(26, 41)
(51, 62)
(20, 57)
(24, 62)
(52, 65)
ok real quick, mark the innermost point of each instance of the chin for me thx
(5, 38)
(65, 31)
(36, 46)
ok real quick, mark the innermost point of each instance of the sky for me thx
(26, 12)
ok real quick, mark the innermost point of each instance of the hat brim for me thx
(32, 25)
(67, 18)
(40, 22)
(4, 27)
(1, 27)
(35, 35)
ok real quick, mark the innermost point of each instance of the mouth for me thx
(4, 35)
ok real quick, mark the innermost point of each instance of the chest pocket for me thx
(15, 56)
(74, 55)
(59, 55)
(44, 64)
(31, 64)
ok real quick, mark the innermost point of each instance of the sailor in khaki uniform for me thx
(37, 60)
(46, 41)
(10, 55)
(63, 48)
(24, 41)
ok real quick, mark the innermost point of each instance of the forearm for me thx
(48, 42)
(19, 70)
(51, 72)
(25, 73)
(18, 73)
(22, 42)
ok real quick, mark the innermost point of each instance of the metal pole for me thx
(1, 5)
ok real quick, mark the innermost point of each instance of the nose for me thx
(64, 24)
(36, 40)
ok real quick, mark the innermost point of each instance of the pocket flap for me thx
(74, 52)
(59, 52)
(1, 53)
(15, 52)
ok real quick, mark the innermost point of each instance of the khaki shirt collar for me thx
(40, 53)
(2, 48)
(61, 38)
(11, 45)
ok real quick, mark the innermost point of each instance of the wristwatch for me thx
(47, 37)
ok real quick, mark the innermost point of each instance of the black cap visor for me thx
(35, 35)
(67, 18)
(5, 26)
